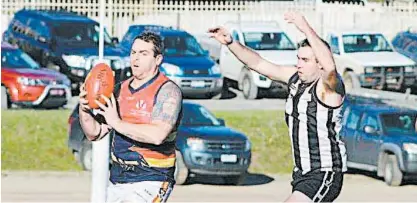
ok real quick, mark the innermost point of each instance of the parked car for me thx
(406, 43)
(25, 83)
(368, 57)
(380, 138)
(185, 62)
(66, 42)
(268, 40)
(204, 146)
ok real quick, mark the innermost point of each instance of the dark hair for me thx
(155, 39)
(305, 43)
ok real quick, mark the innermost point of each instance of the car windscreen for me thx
(17, 59)
(401, 123)
(79, 33)
(365, 43)
(182, 46)
(196, 115)
(268, 41)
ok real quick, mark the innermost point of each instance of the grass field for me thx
(37, 140)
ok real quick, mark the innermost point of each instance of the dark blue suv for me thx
(405, 42)
(205, 146)
(380, 138)
(66, 42)
(185, 62)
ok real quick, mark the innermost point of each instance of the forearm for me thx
(321, 51)
(146, 133)
(245, 55)
(89, 125)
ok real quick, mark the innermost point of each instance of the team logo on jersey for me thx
(141, 104)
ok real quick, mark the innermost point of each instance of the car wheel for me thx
(392, 175)
(86, 155)
(250, 91)
(4, 98)
(181, 170)
(235, 180)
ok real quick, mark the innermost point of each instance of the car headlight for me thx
(409, 69)
(171, 69)
(74, 60)
(215, 69)
(126, 61)
(30, 81)
(247, 145)
(369, 69)
(410, 147)
(195, 143)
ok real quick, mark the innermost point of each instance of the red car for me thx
(24, 83)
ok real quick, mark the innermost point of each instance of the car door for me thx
(367, 143)
(230, 65)
(350, 132)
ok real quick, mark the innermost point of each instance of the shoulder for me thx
(170, 86)
(169, 90)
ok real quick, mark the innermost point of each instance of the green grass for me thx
(271, 146)
(37, 140)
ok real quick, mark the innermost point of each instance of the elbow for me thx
(158, 140)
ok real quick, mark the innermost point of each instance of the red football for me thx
(100, 81)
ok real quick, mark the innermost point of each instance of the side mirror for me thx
(115, 40)
(221, 121)
(370, 130)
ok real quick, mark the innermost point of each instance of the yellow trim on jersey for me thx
(160, 163)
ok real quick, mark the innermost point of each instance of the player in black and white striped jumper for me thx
(316, 95)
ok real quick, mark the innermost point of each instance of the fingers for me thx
(108, 102)
(113, 100)
(102, 106)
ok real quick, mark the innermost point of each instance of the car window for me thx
(198, 116)
(369, 120)
(353, 120)
(128, 38)
(400, 123)
(334, 45)
(365, 43)
(268, 41)
(17, 59)
(182, 46)
(79, 33)
(412, 47)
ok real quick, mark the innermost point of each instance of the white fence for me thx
(196, 17)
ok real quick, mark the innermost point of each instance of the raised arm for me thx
(322, 52)
(252, 59)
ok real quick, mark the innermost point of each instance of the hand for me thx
(221, 35)
(110, 111)
(298, 20)
(83, 101)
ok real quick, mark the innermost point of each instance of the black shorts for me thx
(319, 186)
